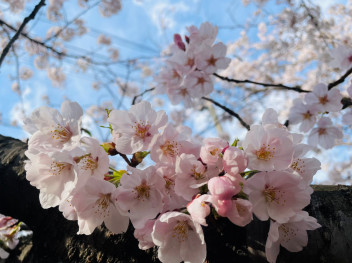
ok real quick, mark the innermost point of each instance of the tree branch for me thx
(231, 112)
(340, 80)
(280, 86)
(71, 21)
(141, 94)
(19, 31)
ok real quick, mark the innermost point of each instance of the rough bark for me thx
(55, 239)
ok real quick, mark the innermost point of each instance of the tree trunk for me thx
(55, 239)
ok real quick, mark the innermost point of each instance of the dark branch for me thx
(231, 112)
(60, 54)
(280, 86)
(19, 31)
(340, 80)
(140, 95)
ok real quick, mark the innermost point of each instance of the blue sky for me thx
(142, 29)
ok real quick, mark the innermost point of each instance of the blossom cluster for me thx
(320, 101)
(188, 72)
(170, 201)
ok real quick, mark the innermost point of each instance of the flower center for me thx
(323, 100)
(211, 61)
(265, 152)
(307, 115)
(57, 168)
(180, 230)
(214, 151)
(298, 166)
(287, 233)
(169, 148)
(269, 194)
(142, 130)
(197, 175)
(61, 133)
(321, 131)
(143, 191)
(102, 205)
(168, 183)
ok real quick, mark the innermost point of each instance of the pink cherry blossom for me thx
(179, 239)
(205, 34)
(277, 195)
(136, 128)
(190, 175)
(292, 235)
(268, 148)
(304, 114)
(306, 168)
(171, 200)
(211, 151)
(198, 84)
(54, 128)
(180, 94)
(212, 58)
(170, 144)
(141, 192)
(93, 160)
(94, 205)
(223, 188)
(50, 173)
(144, 235)
(235, 161)
(199, 209)
(324, 99)
(325, 134)
(342, 57)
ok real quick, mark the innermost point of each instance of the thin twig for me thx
(340, 80)
(125, 158)
(231, 112)
(70, 22)
(19, 31)
(140, 95)
(281, 86)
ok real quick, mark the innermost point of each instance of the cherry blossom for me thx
(179, 238)
(199, 209)
(190, 175)
(50, 173)
(170, 144)
(211, 151)
(276, 195)
(268, 148)
(325, 134)
(136, 128)
(212, 58)
(54, 128)
(144, 235)
(235, 161)
(141, 192)
(342, 57)
(171, 199)
(304, 114)
(292, 235)
(324, 99)
(94, 204)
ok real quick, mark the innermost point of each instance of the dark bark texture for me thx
(55, 239)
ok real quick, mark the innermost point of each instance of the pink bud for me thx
(178, 41)
(222, 187)
(235, 160)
